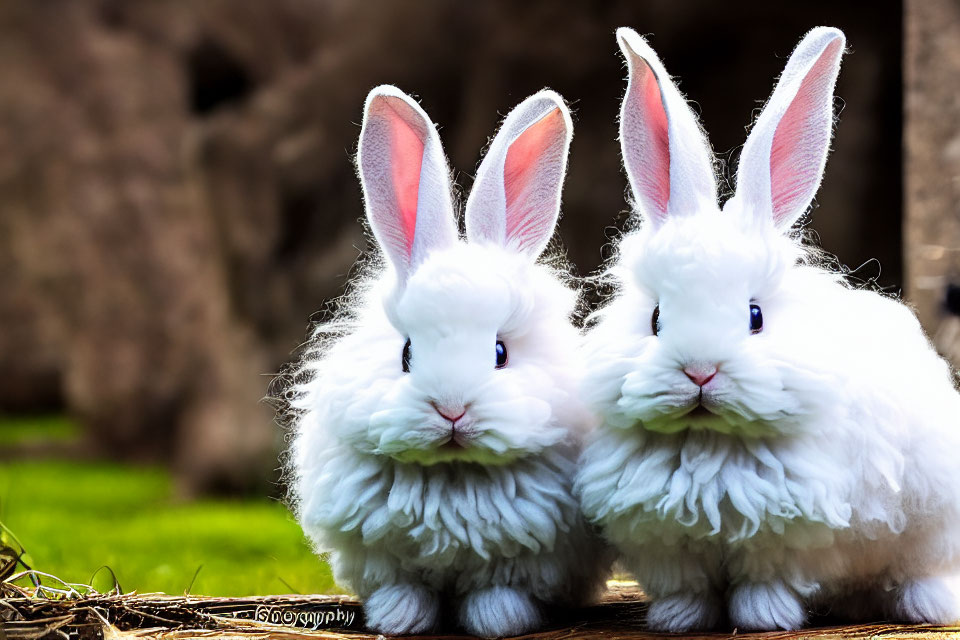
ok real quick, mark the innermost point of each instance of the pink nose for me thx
(451, 413)
(700, 375)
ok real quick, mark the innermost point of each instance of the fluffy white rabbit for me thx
(774, 441)
(437, 418)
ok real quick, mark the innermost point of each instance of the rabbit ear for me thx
(784, 155)
(406, 185)
(668, 159)
(515, 199)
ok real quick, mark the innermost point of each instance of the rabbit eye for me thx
(655, 320)
(756, 319)
(405, 358)
(501, 354)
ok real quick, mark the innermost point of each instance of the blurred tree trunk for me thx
(108, 239)
(932, 165)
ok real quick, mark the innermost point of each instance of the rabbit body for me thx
(834, 480)
(773, 440)
(433, 469)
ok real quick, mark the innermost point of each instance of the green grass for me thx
(35, 429)
(75, 517)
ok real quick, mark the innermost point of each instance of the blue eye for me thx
(756, 319)
(405, 357)
(501, 354)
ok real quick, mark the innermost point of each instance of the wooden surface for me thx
(154, 616)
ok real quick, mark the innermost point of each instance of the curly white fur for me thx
(817, 467)
(416, 508)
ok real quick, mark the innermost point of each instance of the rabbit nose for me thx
(451, 413)
(699, 374)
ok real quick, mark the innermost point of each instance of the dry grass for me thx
(36, 605)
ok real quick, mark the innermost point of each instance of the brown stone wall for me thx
(932, 167)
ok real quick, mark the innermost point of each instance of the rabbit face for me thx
(474, 377)
(710, 335)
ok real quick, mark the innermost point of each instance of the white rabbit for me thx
(438, 421)
(773, 441)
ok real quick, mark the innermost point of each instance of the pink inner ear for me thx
(656, 179)
(800, 140)
(406, 159)
(520, 169)
(645, 138)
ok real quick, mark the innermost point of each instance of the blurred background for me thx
(177, 199)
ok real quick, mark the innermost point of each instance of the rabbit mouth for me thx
(700, 411)
(457, 440)
(453, 444)
(703, 408)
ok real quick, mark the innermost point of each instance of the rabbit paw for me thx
(398, 609)
(765, 606)
(933, 600)
(681, 612)
(496, 612)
